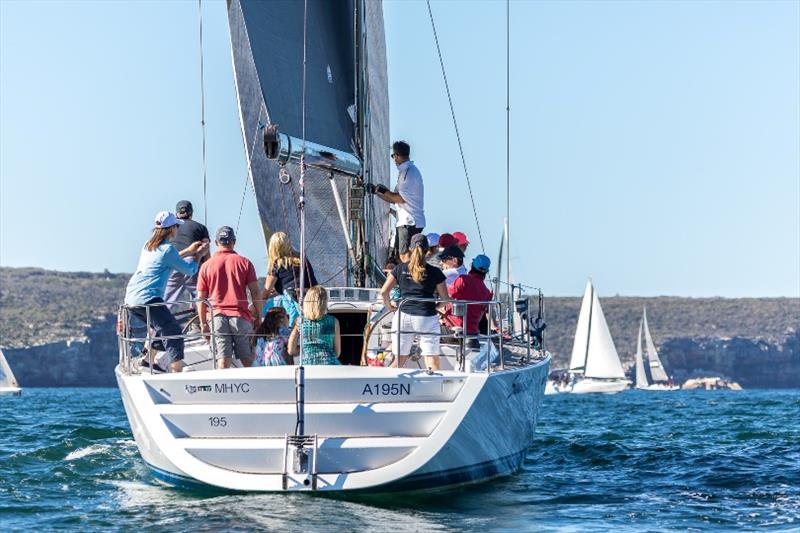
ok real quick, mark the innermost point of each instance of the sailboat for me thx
(8, 383)
(594, 365)
(314, 118)
(659, 379)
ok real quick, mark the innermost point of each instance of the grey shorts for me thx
(404, 234)
(232, 336)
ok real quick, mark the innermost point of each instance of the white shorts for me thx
(428, 344)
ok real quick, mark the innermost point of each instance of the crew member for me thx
(179, 285)
(408, 195)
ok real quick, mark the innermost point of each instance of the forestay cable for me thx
(259, 127)
(455, 125)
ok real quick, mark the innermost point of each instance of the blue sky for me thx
(655, 145)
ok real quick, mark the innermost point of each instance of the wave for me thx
(86, 451)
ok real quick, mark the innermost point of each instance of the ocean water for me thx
(636, 461)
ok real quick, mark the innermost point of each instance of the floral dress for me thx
(270, 351)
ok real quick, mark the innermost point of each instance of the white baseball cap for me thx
(167, 219)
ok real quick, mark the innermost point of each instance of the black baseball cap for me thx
(451, 252)
(184, 207)
(225, 235)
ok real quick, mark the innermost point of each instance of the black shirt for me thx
(411, 289)
(189, 232)
(289, 278)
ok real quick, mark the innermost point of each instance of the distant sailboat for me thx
(8, 383)
(595, 365)
(658, 377)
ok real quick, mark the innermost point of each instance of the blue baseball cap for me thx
(433, 239)
(482, 263)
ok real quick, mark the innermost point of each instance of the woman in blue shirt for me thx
(148, 284)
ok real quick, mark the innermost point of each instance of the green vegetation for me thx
(39, 306)
(671, 317)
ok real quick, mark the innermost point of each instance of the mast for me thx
(302, 201)
(358, 211)
(508, 168)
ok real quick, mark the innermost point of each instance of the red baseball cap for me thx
(446, 239)
(460, 238)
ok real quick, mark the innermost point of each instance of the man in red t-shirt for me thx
(224, 280)
(471, 287)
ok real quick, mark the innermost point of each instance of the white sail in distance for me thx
(656, 369)
(7, 379)
(641, 375)
(594, 353)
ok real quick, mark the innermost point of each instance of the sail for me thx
(641, 375)
(7, 378)
(656, 369)
(603, 361)
(267, 40)
(579, 353)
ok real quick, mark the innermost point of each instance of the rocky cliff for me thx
(85, 361)
(753, 363)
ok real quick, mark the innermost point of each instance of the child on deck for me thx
(271, 339)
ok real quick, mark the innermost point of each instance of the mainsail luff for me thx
(581, 345)
(641, 375)
(657, 372)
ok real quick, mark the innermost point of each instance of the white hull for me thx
(378, 428)
(659, 387)
(588, 386)
(10, 391)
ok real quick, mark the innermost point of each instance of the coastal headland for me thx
(57, 329)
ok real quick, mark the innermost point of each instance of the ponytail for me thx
(416, 265)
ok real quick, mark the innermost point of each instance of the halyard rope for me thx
(203, 116)
(455, 125)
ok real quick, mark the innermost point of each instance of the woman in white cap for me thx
(148, 284)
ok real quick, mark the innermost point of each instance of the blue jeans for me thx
(165, 325)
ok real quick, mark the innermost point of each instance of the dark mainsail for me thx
(267, 43)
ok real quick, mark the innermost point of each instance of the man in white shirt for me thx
(408, 195)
